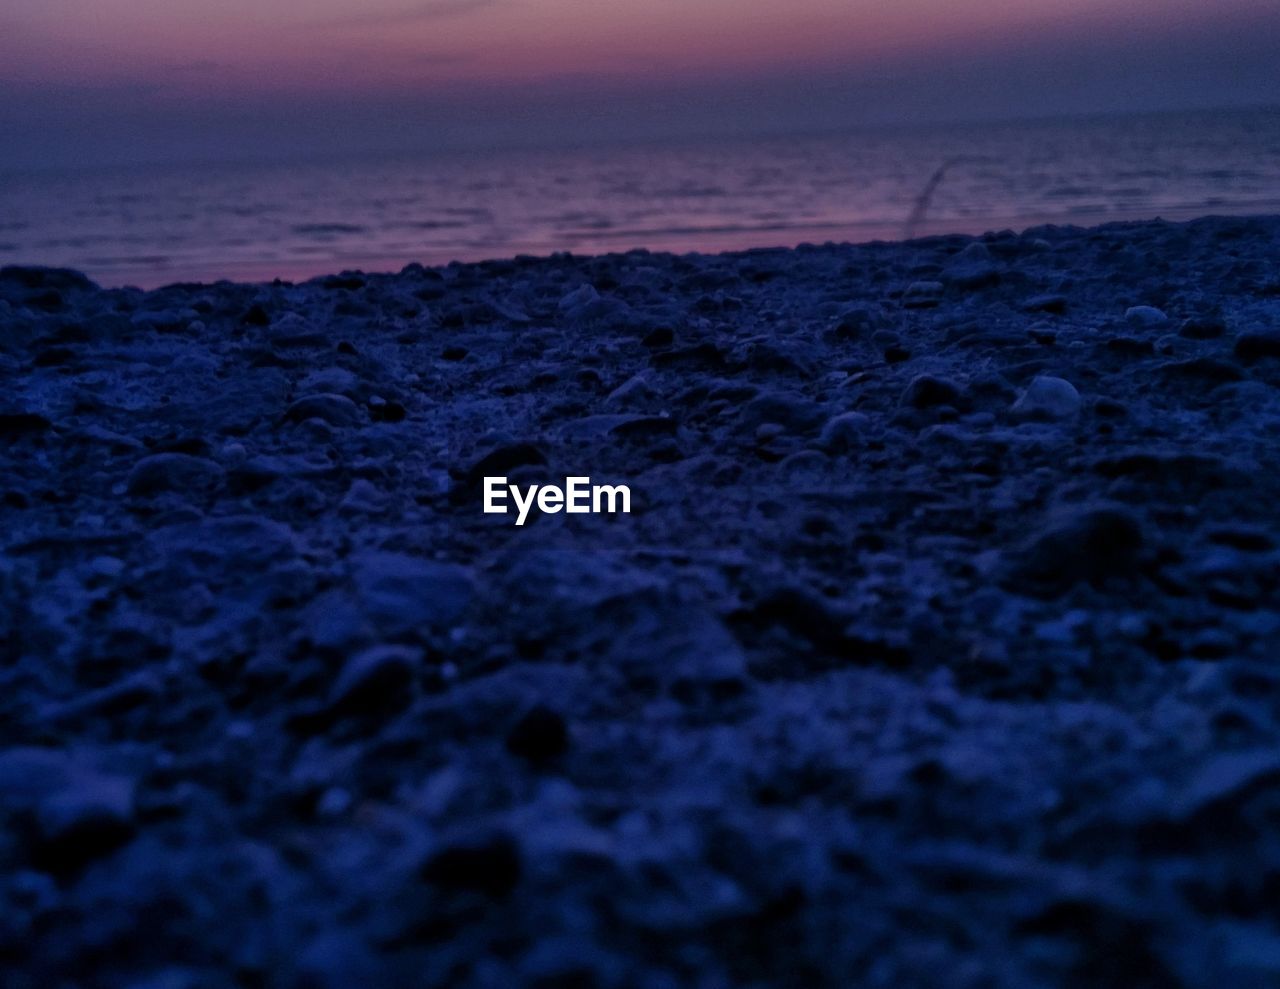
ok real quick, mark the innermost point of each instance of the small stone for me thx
(585, 305)
(1225, 779)
(330, 380)
(334, 802)
(337, 410)
(86, 821)
(491, 866)
(660, 336)
(583, 295)
(106, 567)
(179, 472)
(1048, 398)
(78, 813)
(1257, 344)
(386, 410)
(255, 315)
(1049, 302)
(1202, 328)
(363, 498)
(1211, 370)
(922, 295)
(794, 412)
(928, 391)
(635, 393)
(501, 460)
(539, 736)
(1085, 544)
(400, 593)
(23, 424)
(856, 323)
(375, 680)
(972, 268)
(884, 339)
(844, 432)
(293, 330)
(1145, 316)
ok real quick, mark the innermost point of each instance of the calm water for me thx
(149, 226)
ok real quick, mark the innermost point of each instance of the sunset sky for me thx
(83, 81)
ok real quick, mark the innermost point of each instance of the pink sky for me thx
(260, 75)
(371, 46)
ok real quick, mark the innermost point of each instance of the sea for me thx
(153, 225)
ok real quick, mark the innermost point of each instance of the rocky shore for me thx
(940, 647)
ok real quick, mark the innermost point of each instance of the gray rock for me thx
(1049, 302)
(922, 295)
(795, 413)
(178, 472)
(401, 594)
(331, 381)
(972, 268)
(78, 813)
(925, 391)
(1257, 344)
(295, 330)
(337, 410)
(584, 305)
(1145, 316)
(363, 498)
(378, 679)
(1202, 328)
(1048, 398)
(637, 392)
(1204, 370)
(1090, 543)
(845, 432)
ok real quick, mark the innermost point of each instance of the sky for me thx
(86, 82)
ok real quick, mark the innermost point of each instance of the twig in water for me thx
(925, 198)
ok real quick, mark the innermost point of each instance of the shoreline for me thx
(948, 588)
(161, 273)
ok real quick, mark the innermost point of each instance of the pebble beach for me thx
(938, 647)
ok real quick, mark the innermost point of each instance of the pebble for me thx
(925, 391)
(864, 622)
(1145, 316)
(539, 736)
(78, 813)
(1202, 328)
(637, 392)
(1257, 344)
(375, 680)
(363, 498)
(401, 594)
(1051, 302)
(178, 472)
(1090, 543)
(844, 432)
(1048, 398)
(793, 412)
(922, 295)
(489, 865)
(336, 410)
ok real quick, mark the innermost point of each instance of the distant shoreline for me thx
(258, 222)
(736, 242)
